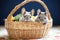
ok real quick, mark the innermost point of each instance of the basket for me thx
(28, 29)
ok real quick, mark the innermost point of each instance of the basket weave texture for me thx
(27, 29)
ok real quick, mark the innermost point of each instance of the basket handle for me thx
(25, 2)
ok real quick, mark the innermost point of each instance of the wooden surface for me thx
(54, 34)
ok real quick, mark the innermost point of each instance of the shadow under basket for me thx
(31, 30)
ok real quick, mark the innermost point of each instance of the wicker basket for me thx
(27, 29)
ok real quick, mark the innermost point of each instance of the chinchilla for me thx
(41, 17)
(26, 16)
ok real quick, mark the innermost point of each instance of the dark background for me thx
(7, 5)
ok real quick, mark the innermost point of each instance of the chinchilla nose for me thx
(27, 18)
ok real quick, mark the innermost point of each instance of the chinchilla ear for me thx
(38, 12)
(32, 12)
(23, 11)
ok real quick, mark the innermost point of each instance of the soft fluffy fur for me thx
(26, 16)
(41, 17)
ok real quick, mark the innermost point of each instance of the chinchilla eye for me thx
(30, 16)
(39, 17)
(44, 18)
(24, 16)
